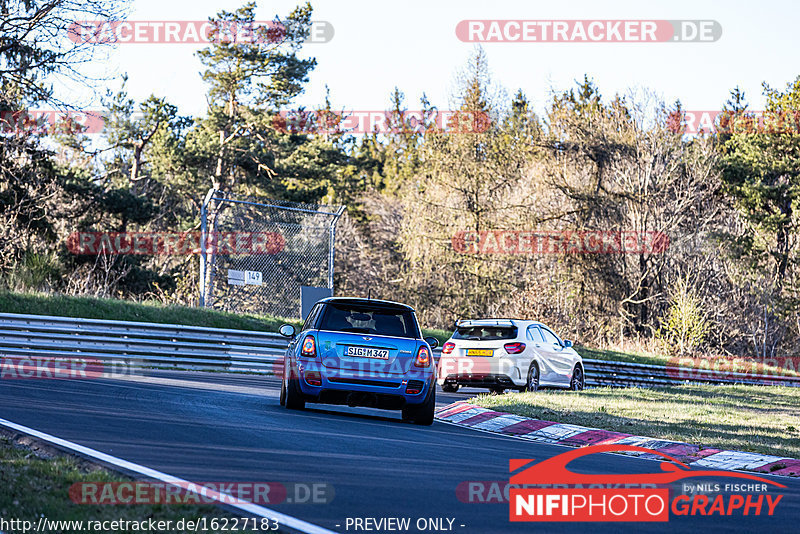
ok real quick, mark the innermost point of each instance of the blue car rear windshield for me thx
(360, 319)
(485, 333)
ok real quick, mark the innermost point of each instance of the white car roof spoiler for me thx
(486, 322)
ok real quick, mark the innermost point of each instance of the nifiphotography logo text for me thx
(578, 497)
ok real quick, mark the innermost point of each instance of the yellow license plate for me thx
(479, 352)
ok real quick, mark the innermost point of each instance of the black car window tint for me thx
(389, 325)
(485, 333)
(368, 320)
(312, 317)
(336, 319)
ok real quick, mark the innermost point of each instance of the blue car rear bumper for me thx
(356, 388)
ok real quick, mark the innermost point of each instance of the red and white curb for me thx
(469, 415)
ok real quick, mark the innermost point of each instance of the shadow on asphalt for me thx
(326, 410)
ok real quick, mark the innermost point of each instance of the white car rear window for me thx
(485, 333)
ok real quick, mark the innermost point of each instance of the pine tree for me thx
(761, 175)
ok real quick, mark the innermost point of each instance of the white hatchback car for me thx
(503, 354)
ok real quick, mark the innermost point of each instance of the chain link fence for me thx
(258, 253)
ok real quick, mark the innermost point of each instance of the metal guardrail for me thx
(625, 374)
(138, 345)
(165, 346)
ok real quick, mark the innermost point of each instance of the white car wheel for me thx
(578, 379)
(532, 379)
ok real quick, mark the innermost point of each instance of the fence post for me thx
(203, 237)
(332, 246)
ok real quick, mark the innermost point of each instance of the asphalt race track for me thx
(223, 427)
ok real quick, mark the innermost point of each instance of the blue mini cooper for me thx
(361, 352)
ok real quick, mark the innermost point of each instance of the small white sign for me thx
(252, 278)
(241, 278)
(235, 278)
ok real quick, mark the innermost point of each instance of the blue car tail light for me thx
(309, 348)
(423, 358)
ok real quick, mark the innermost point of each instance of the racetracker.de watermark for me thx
(588, 31)
(103, 32)
(182, 493)
(381, 122)
(515, 242)
(768, 370)
(13, 367)
(735, 122)
(50, 122)
(44, 122)
(175, 243)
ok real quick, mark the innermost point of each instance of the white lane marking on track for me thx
(261, 511)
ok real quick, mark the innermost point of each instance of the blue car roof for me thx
(368, 302)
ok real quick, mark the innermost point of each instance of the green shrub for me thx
(35, 271)
(685, 325)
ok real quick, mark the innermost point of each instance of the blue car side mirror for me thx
(432, 341)
(287, 330)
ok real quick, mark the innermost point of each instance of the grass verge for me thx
(148, 312)
(124, 310)
(36, 483)
(745, 418)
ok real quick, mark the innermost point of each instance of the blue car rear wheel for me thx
(290, 390)
(422, 414)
